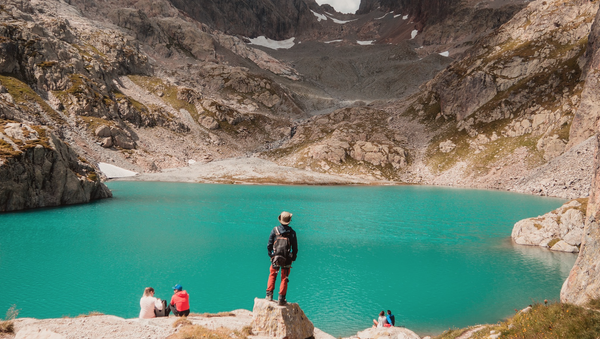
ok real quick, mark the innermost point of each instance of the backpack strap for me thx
(276, 230)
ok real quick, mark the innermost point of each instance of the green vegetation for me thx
(169, 93)
(551, 321)
(93, 122)
(92, 176)
(24, 96)
(200, 332)
(584, 204)
(7, 325)
(553, 242)
(46, 64)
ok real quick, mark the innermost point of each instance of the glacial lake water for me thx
(437, 257)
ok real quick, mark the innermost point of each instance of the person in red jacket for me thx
(180, 302)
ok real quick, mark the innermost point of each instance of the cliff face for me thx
(513, 99)
(39, 170)
(583, 282)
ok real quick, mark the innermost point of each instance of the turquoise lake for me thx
(437, 257)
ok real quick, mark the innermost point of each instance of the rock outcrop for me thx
(280, 322)
(583, 283)
(559, 230)
(387, 333)
(39, 170)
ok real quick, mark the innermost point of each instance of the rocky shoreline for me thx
(265, 321)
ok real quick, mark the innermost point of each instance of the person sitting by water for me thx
(391, 320)
(180, 302)
(381, 321)
(148, 303)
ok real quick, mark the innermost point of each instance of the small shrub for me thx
(183, 321)
(594, 304)
(247, 330)
(200, 332)
(7, 325)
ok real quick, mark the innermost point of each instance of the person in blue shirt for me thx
(390, 318)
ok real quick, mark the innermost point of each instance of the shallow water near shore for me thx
(437, 257)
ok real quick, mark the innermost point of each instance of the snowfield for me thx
(112, 171)
(364, 43)
(272, 44)
(319, 16)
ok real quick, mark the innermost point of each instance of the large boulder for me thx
(274, 321)
(560, 230)
(387, 333)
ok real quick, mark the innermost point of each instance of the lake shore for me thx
(249, 171)
(109, 326)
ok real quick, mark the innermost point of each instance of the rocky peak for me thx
(276, 19)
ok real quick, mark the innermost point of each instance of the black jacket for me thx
(287, 232)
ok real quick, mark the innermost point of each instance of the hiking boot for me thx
(281, 300)
(269, 296)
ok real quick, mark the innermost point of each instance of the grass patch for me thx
(200, 332)
(553, 242)
(584, 204)
(24, 96)
(170, 92)
(93, 122)
(552, 321)
(183, 321)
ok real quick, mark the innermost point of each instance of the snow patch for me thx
(446, 54)
(112, 171)
(413, 34)
(319, 16)
(397, 15)
(272, 44)
(332, 41)
(386, 14)
(367, 42)
(341, 21)
(405, 17)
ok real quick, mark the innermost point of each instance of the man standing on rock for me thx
(282, 249)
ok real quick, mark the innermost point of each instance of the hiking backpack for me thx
(281, 250)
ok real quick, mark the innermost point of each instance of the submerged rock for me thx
(287, 321)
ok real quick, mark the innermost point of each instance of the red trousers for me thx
(285, 272)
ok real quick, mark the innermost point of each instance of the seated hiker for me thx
(147, 304)
(381, 321)
(391, 320)
(180, 302)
